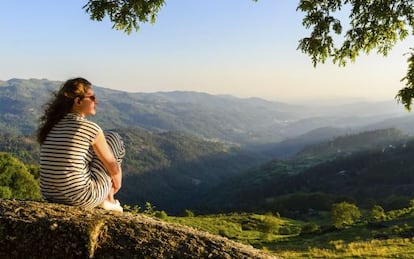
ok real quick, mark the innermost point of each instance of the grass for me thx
(281, 236)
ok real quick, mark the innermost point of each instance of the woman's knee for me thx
(116, 143)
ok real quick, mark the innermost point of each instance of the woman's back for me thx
(64, 159)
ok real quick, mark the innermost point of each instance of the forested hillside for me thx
(174, 172)
(221, 153)
(368, 168)
(170, 169)
(224, 118)
(243, 121)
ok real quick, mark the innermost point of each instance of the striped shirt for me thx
(65, 159)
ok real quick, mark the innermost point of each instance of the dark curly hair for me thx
(60, 104)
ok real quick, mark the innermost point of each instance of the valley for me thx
(249, 162)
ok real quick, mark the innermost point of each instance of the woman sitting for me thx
(79, 164)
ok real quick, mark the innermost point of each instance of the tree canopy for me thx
(344, 214)
(16, 181)
(125, 15)
(372, 25)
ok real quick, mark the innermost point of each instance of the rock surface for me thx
(30, 229)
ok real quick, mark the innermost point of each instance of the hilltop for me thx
(243, 121)
(45, 230)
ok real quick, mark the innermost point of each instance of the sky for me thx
(236, 47)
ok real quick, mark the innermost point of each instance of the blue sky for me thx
(235, 47)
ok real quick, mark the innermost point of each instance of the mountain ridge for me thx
(366, 168)
(243, 121)
(166, 135)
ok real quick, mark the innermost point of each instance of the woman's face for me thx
(87, 105)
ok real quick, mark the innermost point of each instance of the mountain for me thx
(211, 152)
(291, 146)
(367, 168)
(171, 170)
(225, 118)
(21, 102)
(404, 123)
(248, 121)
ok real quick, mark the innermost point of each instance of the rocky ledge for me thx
(30, 229)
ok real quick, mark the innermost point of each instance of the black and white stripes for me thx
(70, 172)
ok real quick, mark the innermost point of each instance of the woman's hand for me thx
(116, 182)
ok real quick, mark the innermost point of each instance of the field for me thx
(288, 238)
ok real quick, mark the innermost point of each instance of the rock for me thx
(30, 229)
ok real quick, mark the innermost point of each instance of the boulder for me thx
(33, 229)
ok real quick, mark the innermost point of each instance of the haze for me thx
(234, 47)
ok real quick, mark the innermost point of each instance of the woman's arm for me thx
(104, 153)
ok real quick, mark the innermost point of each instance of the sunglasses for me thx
(91, 97)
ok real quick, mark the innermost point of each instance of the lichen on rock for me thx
(32, 229)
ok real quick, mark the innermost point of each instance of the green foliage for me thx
(377, 214)
(243, 227)
(310, 228)
(188, 213)
(22, 147)
(173, 170)
(406, 94)
(367, 176)
(34, 170)
(16, 180)
(149, 209)
(393, 239)
(269, 225)
(161, 214)
(133, 209)
(125, 15)
(372, 25)
(344, 214)
(5, 192)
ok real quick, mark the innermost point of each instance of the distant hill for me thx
(221, 117)
(367, 168)
(224, 118)
(169, 169)
(216, 152)
(291, 146)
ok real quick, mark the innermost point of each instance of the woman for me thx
(79, 165)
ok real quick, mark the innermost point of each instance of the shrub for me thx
(149, 209)
(16, 180)
(310, 228)
(344, 214)
(188, 213)
(161, 214)
(377, 214)
(269, 225)
(5, 192)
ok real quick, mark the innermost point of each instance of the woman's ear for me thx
(77, 100)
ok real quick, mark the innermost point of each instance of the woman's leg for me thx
(116, 144)
(98, 170)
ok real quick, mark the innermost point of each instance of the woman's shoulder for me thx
(92, 124)
(74, 118)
